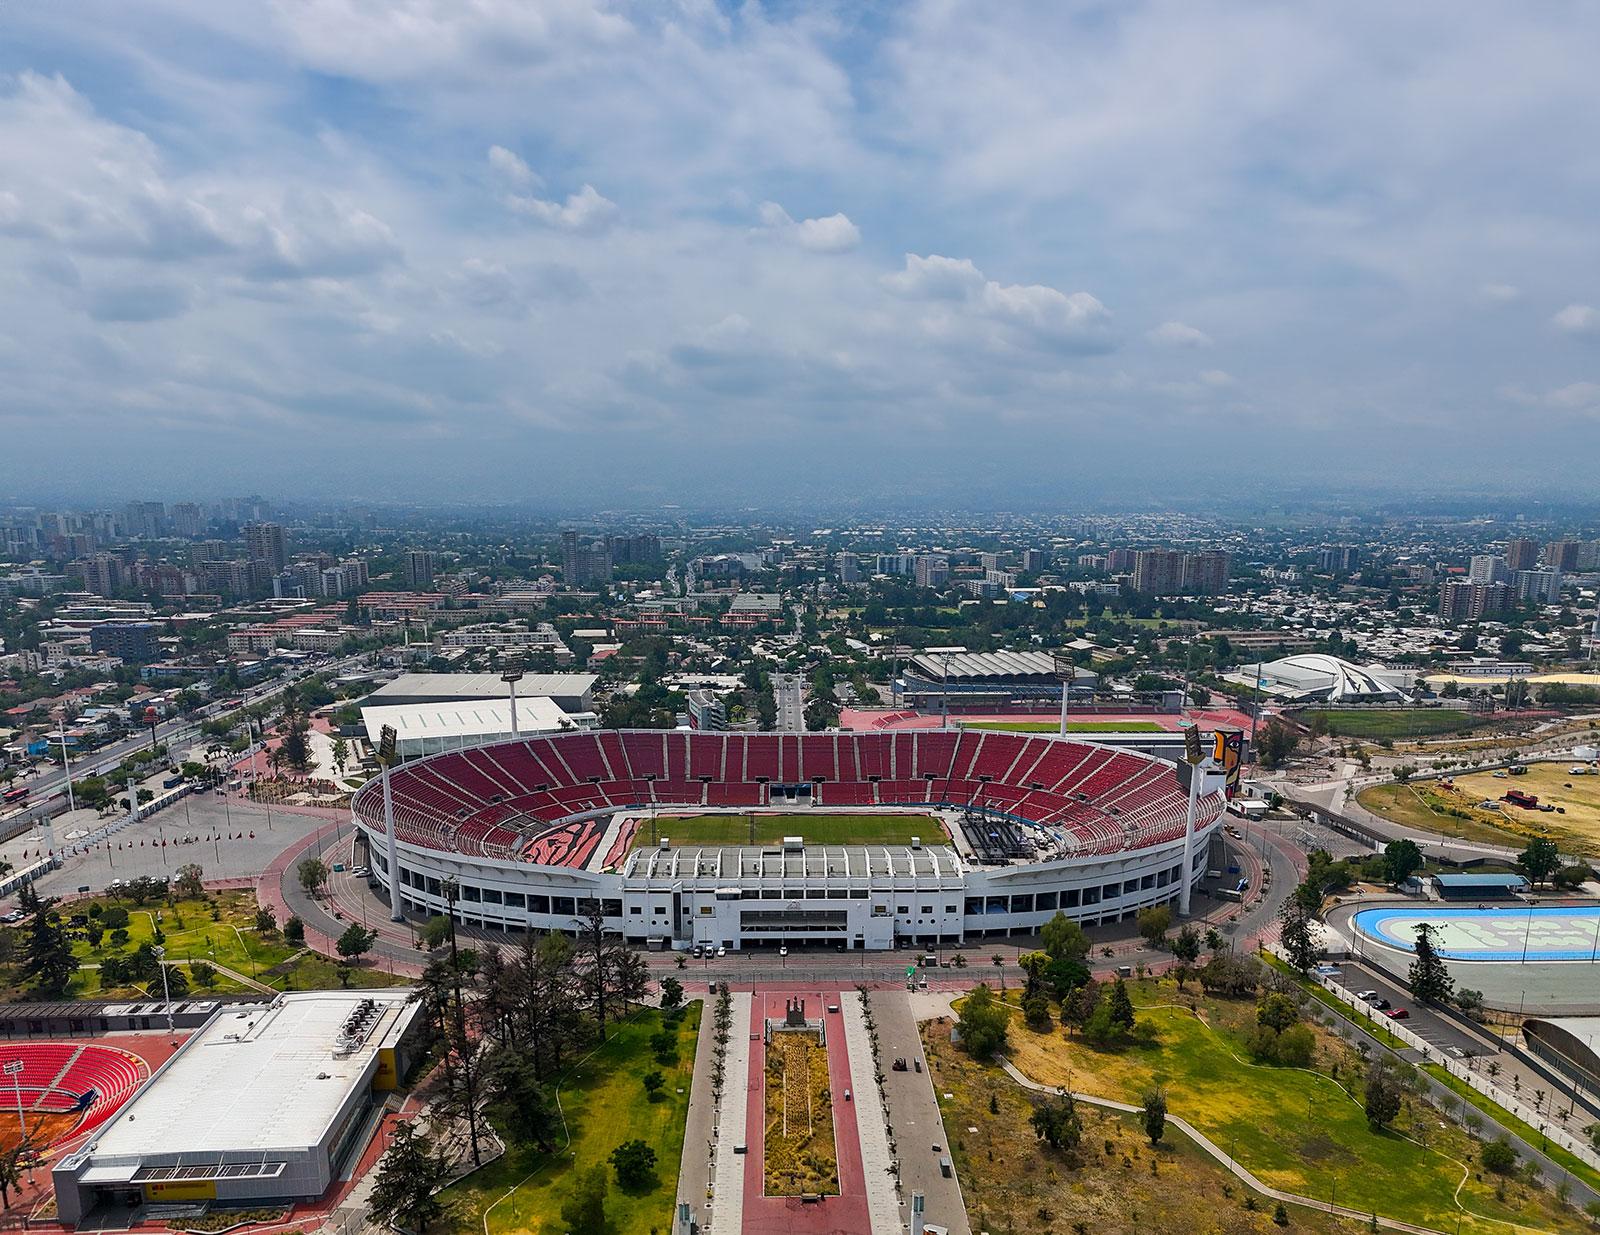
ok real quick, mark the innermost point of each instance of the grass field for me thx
(1410, 723)
(1073, 726)
(1419, 806)
(817, 827)
(1295, 1129)
(1428, 805)
(1117, 1183)
(604, 1104)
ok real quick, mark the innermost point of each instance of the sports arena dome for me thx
(530, 828)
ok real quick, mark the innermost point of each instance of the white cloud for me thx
(1179, 334)
(1217, 377)
(583, 211)
(1577, 395)
(834, 233)
(1577, 319)
(935, 278)
(510, 165)
(1499, 293)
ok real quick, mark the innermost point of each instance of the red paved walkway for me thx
(845, 1214)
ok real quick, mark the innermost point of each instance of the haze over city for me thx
(574, 250)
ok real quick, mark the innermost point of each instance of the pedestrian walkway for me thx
(727, 1186)
(877, 1162)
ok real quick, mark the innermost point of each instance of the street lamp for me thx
(13, 1069)
(166, 993)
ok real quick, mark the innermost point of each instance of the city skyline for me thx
(504, 250)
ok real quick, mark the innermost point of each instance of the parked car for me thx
(1366, 996)
(721, 952)
(1398, 1014)
(1380, 1003)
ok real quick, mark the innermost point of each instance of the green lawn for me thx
(220, 929)
(817, 827)
(1296, 1130)
(1073, 726)
(1408, 723)
(604, 1104)
(1411, 805)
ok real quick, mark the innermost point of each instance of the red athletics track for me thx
(845, 1214)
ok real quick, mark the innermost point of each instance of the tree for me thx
(356, 942)
(1540, 860)
(1121, 1006)
(266, 920)
(671, 994)
(518, 1100)
(1277, 1011)
(652, 1082)
(1498, 1156)
(1430, 981)
(1036, 1012)
(341, 754)
(313, 874)
(983, 1022)
(1295, 935)
(1155, 1114)
(190, 881)
(1056, 1122)
(635, 1164)
(584, 1210)
(294, 930)
(1275, 742)
(1154, 923)
(204, 975)
(1064, 938)
(403, 1190)
(48, 963)
(1382, 1095)
(1401, 860)
(1186, 945)
(1469, 1001)
(435, 932)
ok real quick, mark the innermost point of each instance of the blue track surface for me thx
(1500, 933)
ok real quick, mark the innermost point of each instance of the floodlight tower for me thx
(511, 677)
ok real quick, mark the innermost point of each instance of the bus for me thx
(14, 796)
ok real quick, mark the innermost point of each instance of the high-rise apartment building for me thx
(584, 562)
(1120, 561)
(1339, 559)
(420, 565)
(1563, 555)
(1206, 573)
(1464, 601)
(266, 542)
(1158, 572)
(1488, 568)
(1035, 561)
(1522, 554)
(849, 568)
(1543, 586)
(932, 570)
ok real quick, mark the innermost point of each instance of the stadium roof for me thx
(452, 687)
(960, 665)
(447, 725)
(1327, 678)
(266, 1077)
(813, 862)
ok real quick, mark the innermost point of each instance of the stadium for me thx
(852, 840)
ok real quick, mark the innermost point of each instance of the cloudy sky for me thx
(613, 253)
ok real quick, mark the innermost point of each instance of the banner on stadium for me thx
(1228, 751)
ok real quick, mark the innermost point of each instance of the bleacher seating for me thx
(56, 1077)
(523, 799)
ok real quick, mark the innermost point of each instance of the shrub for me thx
(1498, 1157)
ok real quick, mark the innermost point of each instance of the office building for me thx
(849, 568)
(1338, 559)
(1035, 561)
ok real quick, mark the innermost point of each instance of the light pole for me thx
(166, 994)
(13, 1068)
(511, 677)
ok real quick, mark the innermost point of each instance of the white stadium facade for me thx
(532, 833)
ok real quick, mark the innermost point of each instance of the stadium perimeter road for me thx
(913, 1114)
(791, 706)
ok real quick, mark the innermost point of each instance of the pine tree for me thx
(1294, 933)
(1121, 1007)
(1431, 982)
(403, 1191)
(49, 963)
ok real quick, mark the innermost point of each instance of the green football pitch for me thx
(817, 827)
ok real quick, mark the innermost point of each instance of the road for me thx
(52, 781)
(915, 1123)
(791, 705)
